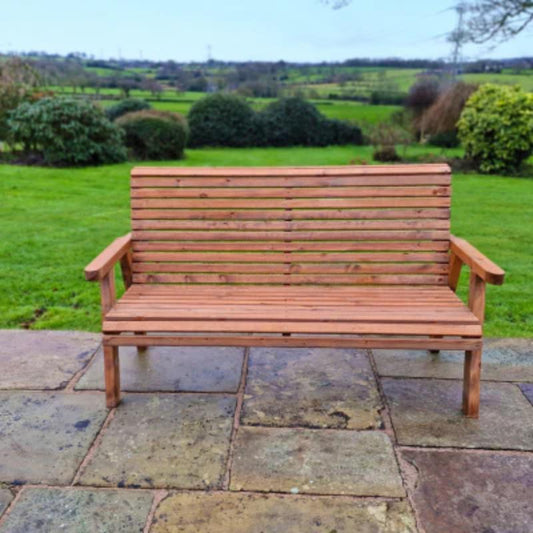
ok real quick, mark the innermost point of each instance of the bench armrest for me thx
(102, 269)
(482, 271)
(106, 260)
(478, 263)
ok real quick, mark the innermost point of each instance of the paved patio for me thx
(262, 440)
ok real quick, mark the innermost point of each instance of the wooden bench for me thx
(357, 256)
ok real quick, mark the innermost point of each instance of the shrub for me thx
(295, 122)
(385, 136)
(422, 95)
(496, 128)
(129, 105)
(386, 154)
(440, 120)
(446, 139)
(155, 135)
(66, 132)
(222, 120)
(342, 132)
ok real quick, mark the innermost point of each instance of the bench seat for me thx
(404, 311)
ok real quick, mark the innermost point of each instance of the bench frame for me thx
(482, 271)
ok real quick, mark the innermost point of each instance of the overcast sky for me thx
(294, 30)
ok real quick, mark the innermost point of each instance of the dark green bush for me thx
(445, 139)
(386, 154)
(155, 135)
(294, 122)
(222, 120)
(128, 105)
(226, 120)
(342, 132)
(66, 132)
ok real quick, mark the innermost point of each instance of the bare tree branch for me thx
(498, 19)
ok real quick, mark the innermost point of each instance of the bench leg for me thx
(472, 374)
(141, 350)
(112, 376)
(435, 352)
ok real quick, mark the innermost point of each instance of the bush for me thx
(227, 120)
(443, 115)
(342, 132)
(422, 95)
(386, 154)
(66, 132)
(129, 105)
(222, 120)
(446, 139)
(496, 128)
(385, 136)
(294, 122)
(154, 135)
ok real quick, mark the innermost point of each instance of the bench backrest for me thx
(378, 225)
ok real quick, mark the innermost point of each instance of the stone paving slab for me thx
(5, 499)
(474, 492)
(162, 368)
(428, 413)
(44, 436)
(503, 360)
(311, 387)
(527, 389)
(43, 359)
(78, 511)
(312, 461)
(254, 513)
(176, 441)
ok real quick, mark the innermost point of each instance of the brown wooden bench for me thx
(357, 256)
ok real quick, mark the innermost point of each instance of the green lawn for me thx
(55, 220)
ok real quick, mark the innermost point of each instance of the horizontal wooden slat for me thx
(277, 203)
(321, 246)
(289, 192)
(317, 341)
(292, 268)
(271, 225)
(284, 326)
(292, 214)
(334, 235)
(352, 295)
(231, 172)
(294, 257)
(294, 279)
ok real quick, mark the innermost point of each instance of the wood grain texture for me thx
(481, 265)
(290, 226)
(106, 260)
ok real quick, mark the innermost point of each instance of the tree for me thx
(500, 20)
(18, 83)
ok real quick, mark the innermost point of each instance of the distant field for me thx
(56, 220)
(400, 80)
(524, 80)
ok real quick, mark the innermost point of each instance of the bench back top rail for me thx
(351, 225)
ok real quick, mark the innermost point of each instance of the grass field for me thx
(54, 222)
